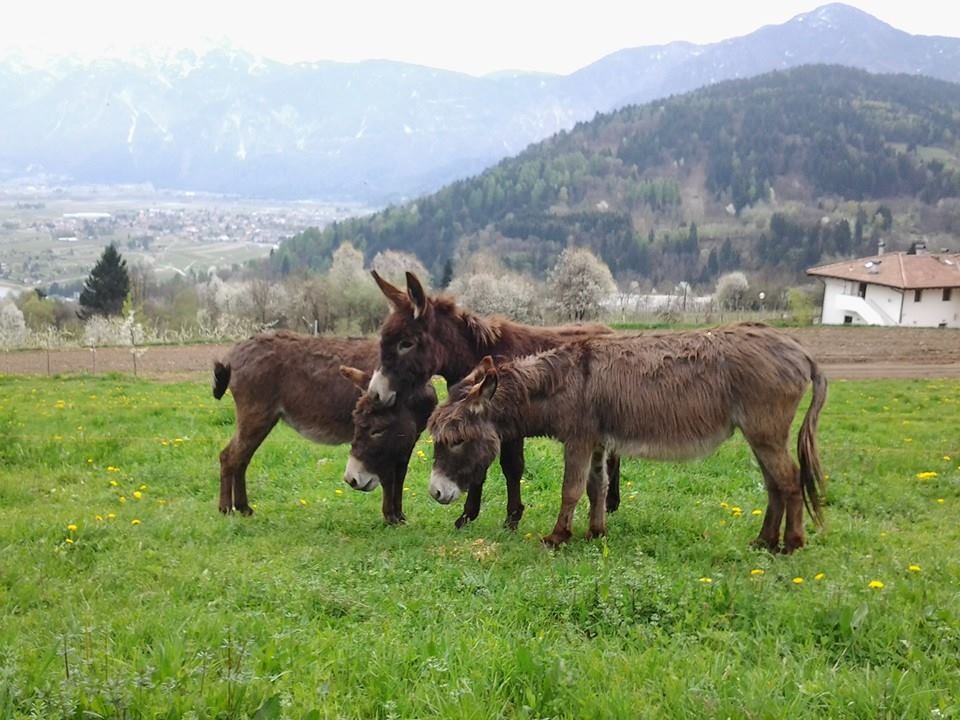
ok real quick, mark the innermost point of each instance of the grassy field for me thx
(123, 593)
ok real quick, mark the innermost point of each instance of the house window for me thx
(862, 292)
(848, 319)
(917, 295)
(946, 294)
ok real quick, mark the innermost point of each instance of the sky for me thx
(463, 35)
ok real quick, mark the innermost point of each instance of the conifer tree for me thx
(107, 285)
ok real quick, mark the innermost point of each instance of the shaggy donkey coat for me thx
(290, 377)
(425, 336)
(661, 396)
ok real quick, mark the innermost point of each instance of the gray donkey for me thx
(663, 396)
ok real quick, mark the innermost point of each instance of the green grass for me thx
(313, 608)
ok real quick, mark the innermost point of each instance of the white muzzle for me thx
(442, 488)
(358, 477)
(380, 389)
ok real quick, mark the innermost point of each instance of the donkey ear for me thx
(486, 364)
(358, 377)
(417, 295)
(487, 385)
(395, 296)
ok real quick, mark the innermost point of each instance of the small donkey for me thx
(661, 396)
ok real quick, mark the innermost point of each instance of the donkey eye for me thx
(404, 346)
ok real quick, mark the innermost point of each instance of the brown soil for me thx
(845, 352)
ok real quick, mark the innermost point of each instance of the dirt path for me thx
(844, 352)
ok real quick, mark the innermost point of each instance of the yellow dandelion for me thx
(724, 505)
(122, 498)
(736, 510)
(913, 568)
(947, 458)
(303, 502)
(819, 576)
(137, 494)
(928, 475)
(908, 440)
(706, 580)
(98, 518)
(756, 572)
(164, 443)
(798, 581)
(114, 483)
(429, 441)
(421, 454)
(71, 527)
(135, 521)
(177, 441)
(338, 491)
(143, 487)
(89, 461)
(756, 513)
(875, 585)
(69, 541)
(940, 501)
(111, 516)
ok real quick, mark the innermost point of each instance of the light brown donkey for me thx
(663, 396)
(290, 377)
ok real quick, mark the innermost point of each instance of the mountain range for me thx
(377, 131)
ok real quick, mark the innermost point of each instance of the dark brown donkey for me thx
(383, 440)
(426, 336)
(295, 378)
(659, 396)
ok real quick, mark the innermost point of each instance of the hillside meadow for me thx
(124, 593)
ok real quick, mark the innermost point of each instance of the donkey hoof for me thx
(556, 539)
(392, 519)
(244, 510)
(761, 543)
(511, 523)
(593, 534)
(613, 504)
(461, 521)
(225, 509)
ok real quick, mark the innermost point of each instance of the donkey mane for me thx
(484, 332)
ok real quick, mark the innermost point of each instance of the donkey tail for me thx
(811, 478)
(221, 378)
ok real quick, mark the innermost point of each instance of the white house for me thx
(920, 290)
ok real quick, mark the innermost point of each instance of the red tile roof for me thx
(898, 270)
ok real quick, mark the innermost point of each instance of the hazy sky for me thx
(474, 37)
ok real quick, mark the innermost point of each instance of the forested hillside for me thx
(773, 173)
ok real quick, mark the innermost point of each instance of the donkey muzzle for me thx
(442, 488)
(358, 477)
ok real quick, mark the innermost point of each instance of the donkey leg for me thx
(512, 464)
(227, 470)
(576, 468)
(597, 493)
(388, 501)
(613, 482)
(788, 499)
(471, 506)
(401, 477)
(249, 438)
(769, 536)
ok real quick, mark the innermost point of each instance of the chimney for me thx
(881, 247)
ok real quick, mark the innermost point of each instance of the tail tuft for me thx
(221, 379)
